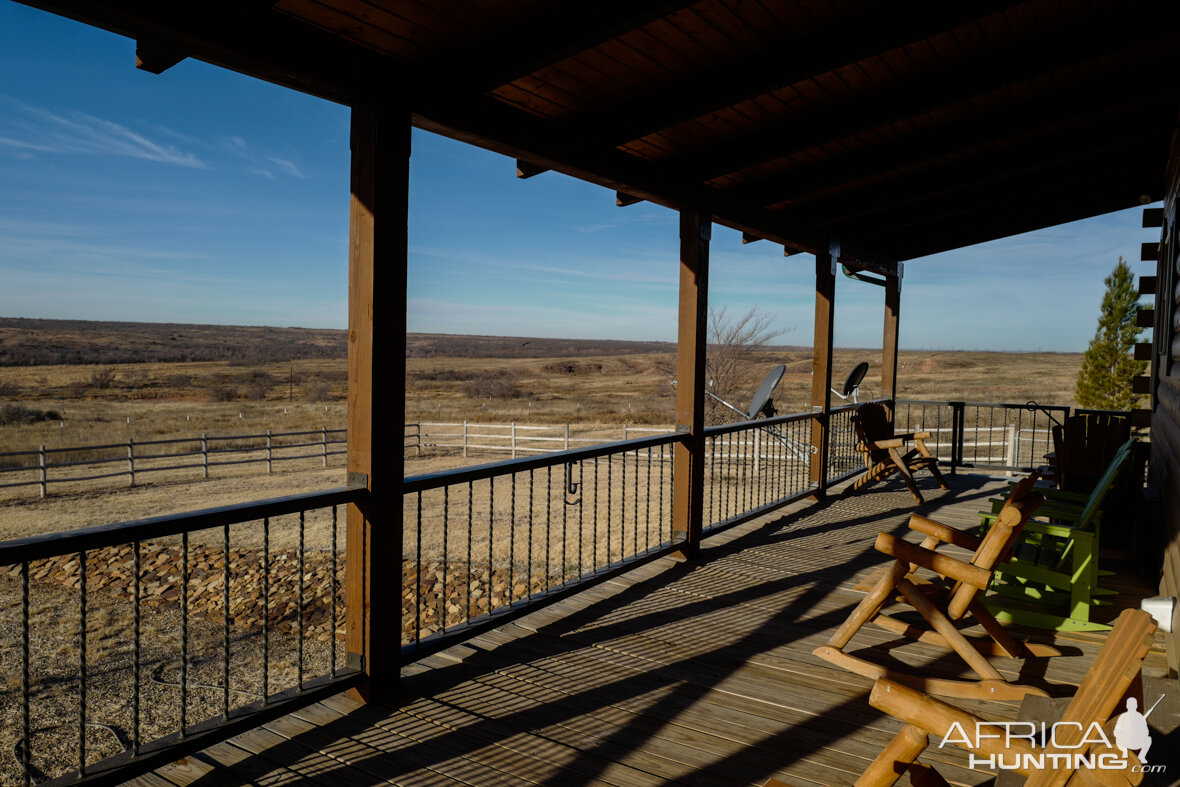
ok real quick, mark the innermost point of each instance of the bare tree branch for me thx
(731, 368)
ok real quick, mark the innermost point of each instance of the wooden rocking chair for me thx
(942, 604)
(882, 450)
(1112, 677)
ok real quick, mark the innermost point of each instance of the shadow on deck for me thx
(675, 673)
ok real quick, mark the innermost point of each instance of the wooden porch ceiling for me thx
(903, 129)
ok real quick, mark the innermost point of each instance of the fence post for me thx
(418, 437)
(205, 453)
(269, 451)
(324, 444)
(567, 437)
(131, 459)
(464, 439)
(624, 431)
(44, 471)
(514, 439)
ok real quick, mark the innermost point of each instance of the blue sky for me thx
(203, 196)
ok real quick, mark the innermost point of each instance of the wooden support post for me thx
(821, 369)
(889, 340)
(688, 458)
(43, 464)
(376, 390)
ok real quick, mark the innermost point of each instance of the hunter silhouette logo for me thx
(1130, 731)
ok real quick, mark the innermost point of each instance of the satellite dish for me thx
(854, 378)
(761, 401)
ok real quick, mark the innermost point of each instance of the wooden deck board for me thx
(674, 673)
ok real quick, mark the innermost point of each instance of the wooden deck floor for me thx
(696, 673)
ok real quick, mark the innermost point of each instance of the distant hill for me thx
(35, 342)
(30, 342)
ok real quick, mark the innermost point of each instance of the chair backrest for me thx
(1022, 503)
(1103, 687)
(1098, 493)
(872, 423)
(1085, 444)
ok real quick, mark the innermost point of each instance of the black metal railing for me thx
(983, 435)
(136, 643)
(486, 542)
(754, 466)
(843, 458)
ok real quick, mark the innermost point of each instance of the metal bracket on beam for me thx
(526, 169)
(683, 429)
(358, 480)
(834, 252)
(355, 661)
(156, 57)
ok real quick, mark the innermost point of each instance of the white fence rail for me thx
(514, 438)
(135, 458)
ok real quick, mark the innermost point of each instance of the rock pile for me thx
(111, 570)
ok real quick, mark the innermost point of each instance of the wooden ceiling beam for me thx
(548, 36)
(1059, 52)
(1021, 123)
(895, 196)
(1011, 214)
(880, 29)
(250, 38)
(495, 126)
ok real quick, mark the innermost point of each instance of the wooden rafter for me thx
(1056, 53)
(862, 35)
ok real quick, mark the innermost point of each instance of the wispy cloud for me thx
(29, 128)
(264, 163)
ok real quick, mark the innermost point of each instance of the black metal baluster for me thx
(299, 611)
(647, 505)
(26, 754)
(548, 521)
(581, 518)
(442, 594)
(135, 643)
(594, 544)
(418, 600)
(332, 617)
(635, 506)
(82, 662)
(266, 610)
(610, 491)
(470, 534)
(491, 530)
(528, 577)
(183, 633)
(225, 625)
(511, 538)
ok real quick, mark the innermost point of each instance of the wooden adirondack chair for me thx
(882, 450)
(1084, 445)
(942, 604)
(1113, 674)
(1052, 581)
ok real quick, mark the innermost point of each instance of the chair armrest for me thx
(944, 533)
(938, 563)
(893, 442)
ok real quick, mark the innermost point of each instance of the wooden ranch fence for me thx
(135, 458)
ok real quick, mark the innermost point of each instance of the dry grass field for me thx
(598, 385)
(474, 551)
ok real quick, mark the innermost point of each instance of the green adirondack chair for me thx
(1052, 578)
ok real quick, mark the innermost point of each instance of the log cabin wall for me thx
(1165, 424)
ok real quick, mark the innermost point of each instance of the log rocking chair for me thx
(882, 450)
